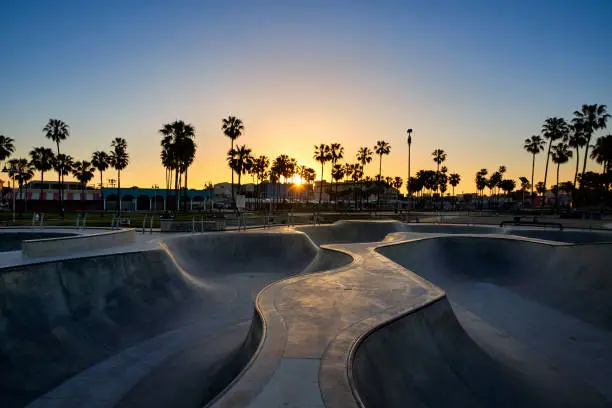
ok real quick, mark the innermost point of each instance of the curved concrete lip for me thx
(303, 345)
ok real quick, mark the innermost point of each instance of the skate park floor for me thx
(321, 304)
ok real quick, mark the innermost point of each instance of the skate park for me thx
(355, 313)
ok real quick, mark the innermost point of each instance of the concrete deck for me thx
(344, 326)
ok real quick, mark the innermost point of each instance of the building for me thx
(44, 197)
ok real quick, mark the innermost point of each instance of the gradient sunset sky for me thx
(474, 78)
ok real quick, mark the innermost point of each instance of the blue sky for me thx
(472, 77)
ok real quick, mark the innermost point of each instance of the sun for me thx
(296, 179)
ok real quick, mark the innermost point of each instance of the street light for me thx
(409, 131)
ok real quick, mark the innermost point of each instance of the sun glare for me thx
(297, 180)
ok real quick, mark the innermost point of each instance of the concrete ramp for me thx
(343, 232)
(89, 331)
(542, 310)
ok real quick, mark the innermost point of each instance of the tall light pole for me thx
(409, 131)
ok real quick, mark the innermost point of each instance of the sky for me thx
(474, 78)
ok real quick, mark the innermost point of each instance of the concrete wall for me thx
(78, 243)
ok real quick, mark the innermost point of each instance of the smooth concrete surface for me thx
(542, 309)
(72, 244)
(111, 320)
(265, 319)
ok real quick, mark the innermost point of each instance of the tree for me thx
(100, 161)
(337, 175)
(382, 148)
(232, 127)
(62, 164)
(454, 181)
(57, 131)
(260, 169)
(364, 156)
(602, 152)
(322, 154)
(524, 186)
(42, 160)
(22, 171)
(83, 171)
(178, 152)
(589, 119)
(560, 154)
(240, 160)
(507, 185)
(397, 184)
(7, 147)
(540, 189)
(119, 160)
(439, 156)
(481, 182)
(337, 153)
(553, 129)
(576, 139)
(534, 145)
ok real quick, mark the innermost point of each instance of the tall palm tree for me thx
(232, 127)
(240, 161)
(100, 161)
(534, 145)
(7, 147)
(576, 140)
(337, 174)
(397, 183)
(382, 148)
(561, 153)
(322, 154)
(83, 171)
(553, 129)
(260, 168)
(439, 156)
(364, 156)
(56, 130)
(119, 160)
(590, 118)
(42, 160)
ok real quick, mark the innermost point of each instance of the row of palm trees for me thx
(44, 159)
(575, 134)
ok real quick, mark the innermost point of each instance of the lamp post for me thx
(15, 170)
(409, 131)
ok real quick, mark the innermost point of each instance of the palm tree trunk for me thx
(233, 196)
(546, 169)
(321, 186)
(557, 194)
(532, 171)
(176, 197)
(186, 190)
(577, 161)
(119, 190)
(586, 154)
(61, 186)
(42, 180)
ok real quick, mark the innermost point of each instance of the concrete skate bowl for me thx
(344, 232)
(576, 236)
(11, 241)
(530, 325)
(169, 326)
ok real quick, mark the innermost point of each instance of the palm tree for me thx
(7, 147)
(62, 164)
(337, 174)
(22, 171)
(561, 153)
(590, 118)
(322, 154)
(232, 127)
(178, 153)
(240, 161)
(576, 140)
(100, 161)
(397, 183)
(56, 130)
(42, 160)
(454, 179)
(524, 186)
(481, 183)
(337, 152)
(260, 169)
(439, 156)
(553, 129)
(83, 171)
(119, 160)
(382, 148)
(364, 156)
(602, 152)
(534, 145)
